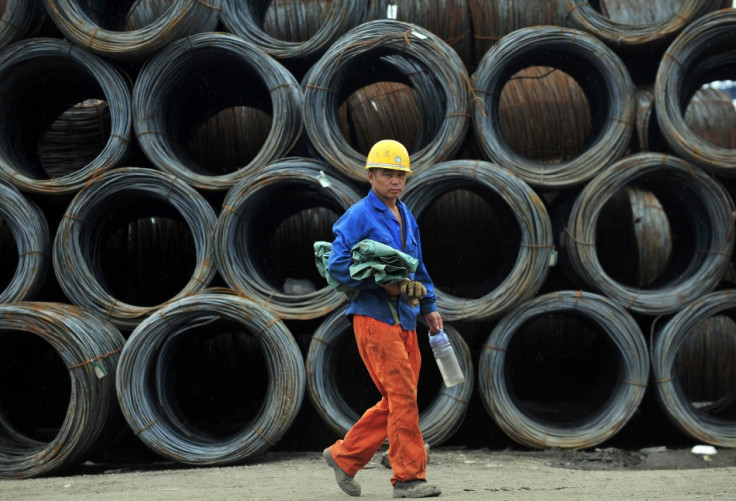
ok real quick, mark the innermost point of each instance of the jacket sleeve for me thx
(347, 232)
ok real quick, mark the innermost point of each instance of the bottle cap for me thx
(438, 339)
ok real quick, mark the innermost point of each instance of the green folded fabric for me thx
(370, 259)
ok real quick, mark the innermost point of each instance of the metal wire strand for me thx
(19, 19)
(98, 26)
(39, 79)
(703, 198)
(182, 76)
(155, 419)
(699, 52)
(603, 78)
(632, 25)
(531, 266)
(238, 241)
(245, 18)
(598, 425)
(438, 421)
(89, 347)
(333, 76)
(29, 228)
(76, 266)
(697, 423)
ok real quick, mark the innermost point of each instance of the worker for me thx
(384, 318)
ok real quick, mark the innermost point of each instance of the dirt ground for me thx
(466, 474)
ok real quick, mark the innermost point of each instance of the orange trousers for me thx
(391, 355)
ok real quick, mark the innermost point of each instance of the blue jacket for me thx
(370, 218)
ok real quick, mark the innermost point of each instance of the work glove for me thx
(414, 291)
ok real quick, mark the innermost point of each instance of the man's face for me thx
(388, 184)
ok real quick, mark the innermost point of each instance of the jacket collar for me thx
(378, 203)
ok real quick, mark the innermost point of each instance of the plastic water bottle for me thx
(446, 361)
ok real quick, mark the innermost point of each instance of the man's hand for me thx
(412, 288)
(435, 322)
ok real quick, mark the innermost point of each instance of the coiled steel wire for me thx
(39, 79)
(296, 182)
(602, 76)
(492, 19)
(29, 228)
(599, 424)
(307, 29)
(438, 421)
(699, 54)
(194, 78)
(699, 423)
(706, 202)
(75, 253)
(158, 421)
(19, 19)
(633, 25)
(448, 19)
(531, 265)
(99, 26)
(332, 78)
(89, 348)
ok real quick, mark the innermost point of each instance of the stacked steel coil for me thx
(250, 142)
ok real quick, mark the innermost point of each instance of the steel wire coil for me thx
(711, 115)
(76, 246)
(89, 348)
(699, 423)
(633, 25)
(599, 424)
(699, 54)
(531, 264)
(323, 22)
(492, 19)
(174, 91)
(285, 187)
(438, 421)
(19, 19)
(156, 419)
(39, 79)
(596, 68)
(448, 19)
(75, 138)
(711, 215)
(346, 65)
(30, 230)
(99, 26)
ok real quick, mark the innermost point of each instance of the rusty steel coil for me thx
(448, 19)
(714, 423)
(292, 31)
(89, 348)
(30, 230)
(40, 78)
(438, 421)
(349, 63)
(121, 196)
(286, 187)
(19, 19)
(700, 54)
(492, 19)
(544, 115)
(99, 26)
(634, 25)
(711, 115)
(150, 405)
(599, 423)
(191, 80)
(699, 204)
(600, 73)
(531, 262)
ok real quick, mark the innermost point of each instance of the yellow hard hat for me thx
(388, 154)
